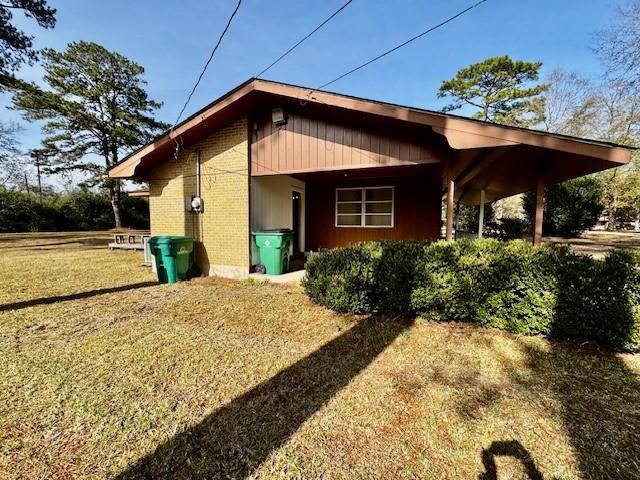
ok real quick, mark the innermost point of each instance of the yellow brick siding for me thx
(222, 231)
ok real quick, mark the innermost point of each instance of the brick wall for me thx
(222, 231)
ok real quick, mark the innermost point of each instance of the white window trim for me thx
(363, 213)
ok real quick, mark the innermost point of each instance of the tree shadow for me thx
(86, 241)
(236, 439)
(73, 296)
(599, 406)
(509, 448)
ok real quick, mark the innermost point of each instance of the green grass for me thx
(219, 379)
(597, 243)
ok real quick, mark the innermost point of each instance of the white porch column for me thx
(481, 216)
(537, 226)
(451, 185)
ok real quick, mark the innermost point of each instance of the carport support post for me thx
(481, 216)
(450, 194)
(537, 229)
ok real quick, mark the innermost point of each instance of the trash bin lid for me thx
(163, 239)
(273, 231)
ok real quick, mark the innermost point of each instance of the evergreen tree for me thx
(16, 47)
(503, 90)
(96, 104)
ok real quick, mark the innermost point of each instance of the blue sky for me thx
(172, 40)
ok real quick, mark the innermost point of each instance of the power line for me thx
(327, 20)
(206, 65)
(397, 47)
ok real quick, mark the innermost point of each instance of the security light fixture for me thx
(278, 117)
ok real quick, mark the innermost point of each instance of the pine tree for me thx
(96, 104)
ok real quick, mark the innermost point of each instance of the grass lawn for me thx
(597, 243)
(107, 375)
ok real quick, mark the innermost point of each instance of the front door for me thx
(295, 219)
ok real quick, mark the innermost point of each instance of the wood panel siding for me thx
(309, 143)
(417, 208)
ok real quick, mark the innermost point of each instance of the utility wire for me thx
(327, 20)
(397, 47)
(206, 65)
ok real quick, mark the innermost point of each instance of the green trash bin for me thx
(274, 249)
(173, 257)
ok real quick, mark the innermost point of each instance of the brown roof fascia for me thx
(460, 132)
(126, 168)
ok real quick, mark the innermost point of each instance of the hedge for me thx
(81, 209)
(508, 285)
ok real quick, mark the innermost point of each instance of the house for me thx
(337, 169)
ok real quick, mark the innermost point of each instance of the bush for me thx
(16, 212)
(570, 208)
(376, 276)
(86, 210)
(599, 300)
(486, 282)
(508, 228)
(81, 209)
(342, 279)
(508, 285)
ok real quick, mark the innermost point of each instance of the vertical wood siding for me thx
(307, 144)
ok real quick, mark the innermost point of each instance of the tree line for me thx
(79, 209)
(96, 109)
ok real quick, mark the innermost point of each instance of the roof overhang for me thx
(462, 134)
(143, 192)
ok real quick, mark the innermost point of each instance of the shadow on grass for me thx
(73, 296)
(600, 407)
(234, 440)
(591, 392)
(510, 448)
(90, 242)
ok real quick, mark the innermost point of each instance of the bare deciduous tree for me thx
(618, 45)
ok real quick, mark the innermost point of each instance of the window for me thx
(364, 207)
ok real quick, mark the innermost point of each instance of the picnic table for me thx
(128, 241)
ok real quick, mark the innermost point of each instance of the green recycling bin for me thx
(274, 249)
(173, 257)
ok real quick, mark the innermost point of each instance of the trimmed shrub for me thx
(508, 285)
(599, 300)
(375, 276)
(394, 265)
(487, 282)
(341, 279)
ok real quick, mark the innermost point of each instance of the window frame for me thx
(363, 202)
